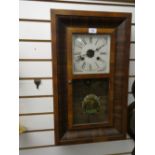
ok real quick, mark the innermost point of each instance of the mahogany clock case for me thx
(71, 126)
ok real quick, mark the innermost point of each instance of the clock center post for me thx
(90, 53)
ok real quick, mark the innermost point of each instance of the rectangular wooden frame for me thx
(71, 76)
(121, 22)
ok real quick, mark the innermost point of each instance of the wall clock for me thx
(90, 69)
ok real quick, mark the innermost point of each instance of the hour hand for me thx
(97, 49)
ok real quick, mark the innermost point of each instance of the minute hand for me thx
(97, 49)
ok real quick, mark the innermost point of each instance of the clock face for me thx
(91, 53)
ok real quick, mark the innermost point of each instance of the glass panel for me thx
(91, 53)
(90, 101)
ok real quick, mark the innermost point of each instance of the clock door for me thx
(90, 59)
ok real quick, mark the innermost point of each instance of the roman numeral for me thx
(78, 58)
(103, 53)
(83, 65)
(90, 39)
(83, 40)
(77, 53)
(96, 41)
(90, 67)
(101, 60)
(97, 65)
(79, 46)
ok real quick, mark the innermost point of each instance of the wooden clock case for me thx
(64, 24)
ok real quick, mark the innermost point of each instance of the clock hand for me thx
(83, 55)
(97, 49)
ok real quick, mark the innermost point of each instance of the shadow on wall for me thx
(131, 117)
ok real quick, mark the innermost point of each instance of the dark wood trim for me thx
(44, 21)
(34, 20)
(132, 59)
(42, 130)
(50, 41)
(120, 2)
(33, 78)
(32, 114)
(35, 59)
(131, 76)
(36, 147)
(34, 40)
(36, 96)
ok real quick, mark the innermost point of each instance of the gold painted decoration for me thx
(91, 104)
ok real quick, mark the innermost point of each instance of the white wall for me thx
(36, 105)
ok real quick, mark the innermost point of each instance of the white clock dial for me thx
(91, 53)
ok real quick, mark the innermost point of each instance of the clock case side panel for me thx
(61, 19)
(59, 77)
(122, 74)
